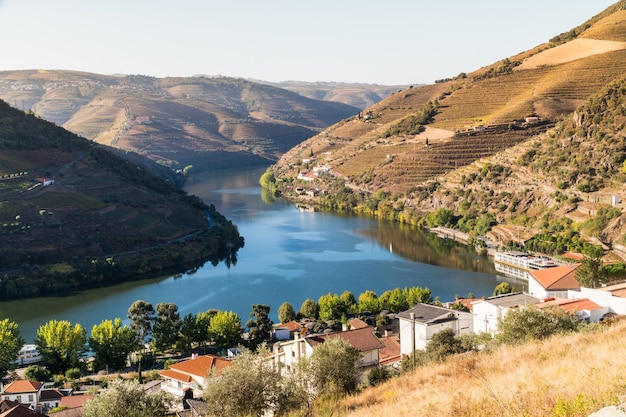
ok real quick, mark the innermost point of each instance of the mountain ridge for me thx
(207, 122)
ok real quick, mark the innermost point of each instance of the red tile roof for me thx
(75, 401)
(391, 352)
(22, 385)
(290, 325)
(20, 411)
(617, 290)
(571, 306)
(361, 339)
(558, 278)
(357, 324)
(200, 367)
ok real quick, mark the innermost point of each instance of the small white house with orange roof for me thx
(24, 392)
(583, 308)
(612, 296)
(286, 331)
(192, 375)
(553, 282)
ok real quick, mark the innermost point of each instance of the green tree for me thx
(442, 345)
(61, 345)
(260, 325)
(286, 313)
(394, 300)
(590, 273)
(203, 321)
(334, 366)
(368, 301)
(309, 309)
(224, 329)
(331, 307)
(127, 399)
(166, 326)
(348, 301)
(251, 388)
(141, 315)
(10, 344)
(502, 288)
(531, 323)
(188, 334)
(37, 373)
(112, 342)
(378, 375)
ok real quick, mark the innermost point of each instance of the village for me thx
(549, 285)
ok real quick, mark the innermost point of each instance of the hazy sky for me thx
(383, 42)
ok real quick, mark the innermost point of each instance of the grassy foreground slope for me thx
(572, 375)
(74, 215)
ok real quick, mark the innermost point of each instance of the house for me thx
(419, 324)
(23, 391)
(611, 296)
(187, 379)
(46, 182)
(288, 353)
(286, 331)
(553, 282)
(389, 354)
(362, 339)
(73, 405)
(50, 398)
(488, 312)
(20, 410)
(583, 308)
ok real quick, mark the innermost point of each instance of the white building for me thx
(419, 324)
(24, 392)
(553, 282)
(188, 378)
(611, 296)
(488, 312)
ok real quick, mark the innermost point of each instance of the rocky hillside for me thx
(75, 215)
(523, 144)
(204, 122)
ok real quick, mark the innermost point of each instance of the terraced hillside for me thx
(530, 147)
(204, 122)
(74, 215)
(482, 112)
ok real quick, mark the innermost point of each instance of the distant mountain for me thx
(200, 121)
(512, 140)
(357, 95)
(74, 215)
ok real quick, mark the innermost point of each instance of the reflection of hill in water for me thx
(428, 248)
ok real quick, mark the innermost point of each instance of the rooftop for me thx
(514, 299)
(429, 314)
(558, 278)
(362, 339)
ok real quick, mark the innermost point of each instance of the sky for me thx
(396, 42)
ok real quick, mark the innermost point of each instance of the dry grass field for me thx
(573, 376)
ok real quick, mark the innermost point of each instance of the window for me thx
(30, 398)
(18, 398)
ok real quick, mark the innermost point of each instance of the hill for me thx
(74, 215)
(572, 375)
(456, 144)
(205, 122)
(356, 95)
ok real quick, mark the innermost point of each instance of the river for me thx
(290, 254)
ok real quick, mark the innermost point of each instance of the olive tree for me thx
(335, 366)
(531, 323)
(252, 387)
(127, 399)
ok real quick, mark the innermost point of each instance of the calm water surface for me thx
(290, 254)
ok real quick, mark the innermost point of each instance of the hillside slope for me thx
(74, 215)
(457, 144)
(200, 121)
(573, 375)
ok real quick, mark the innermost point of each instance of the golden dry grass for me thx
(571, 375)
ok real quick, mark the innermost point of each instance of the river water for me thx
(290, 254)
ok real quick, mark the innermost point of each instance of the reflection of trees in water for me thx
(428, 248)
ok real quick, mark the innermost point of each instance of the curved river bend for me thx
(290, 254)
